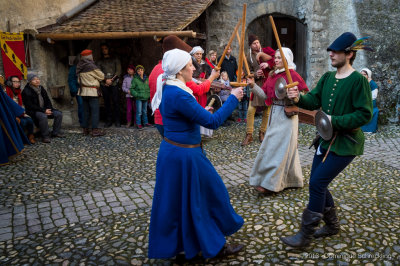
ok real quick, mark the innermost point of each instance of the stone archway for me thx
(292, 33)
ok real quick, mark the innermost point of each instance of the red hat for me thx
(171, 42)
(86, 52)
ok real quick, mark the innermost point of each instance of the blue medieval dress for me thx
(12, 137)
(372, 126)
(191, 210)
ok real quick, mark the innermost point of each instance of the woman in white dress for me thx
(277, 165)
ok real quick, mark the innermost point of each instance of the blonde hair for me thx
(210, 53)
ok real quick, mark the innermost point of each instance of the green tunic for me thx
(349, 103)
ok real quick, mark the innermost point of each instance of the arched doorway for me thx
(292, 34)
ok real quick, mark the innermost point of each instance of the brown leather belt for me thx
(182, 145)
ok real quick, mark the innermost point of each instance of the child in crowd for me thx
(224, 94)
(244, 103)
(141, 91)
(130, 101)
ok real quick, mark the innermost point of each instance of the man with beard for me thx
(260, 63)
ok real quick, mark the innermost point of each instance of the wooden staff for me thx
(246, 64)
(289, 77)
(211, 102)
(218, 67)
(241, 52)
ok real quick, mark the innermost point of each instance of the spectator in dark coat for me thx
(229, 65)
(38, 106)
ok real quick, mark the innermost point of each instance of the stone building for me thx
(132, 29)
(306, 26)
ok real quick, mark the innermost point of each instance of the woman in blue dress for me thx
(191, 211)
(12, 137)
(372, 126)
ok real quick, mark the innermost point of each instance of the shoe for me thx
(31, 138)
(59, 135)
(97, 132)
(248, 139)
(309, 224)
(139, 126)
(108, 124)
(46, 140)
(86, 131)
(128, 124)
(117, 124)
(147, 125)
(230, 249)
(261, 136)
(331, 226)
(263, 191)
(238, 120)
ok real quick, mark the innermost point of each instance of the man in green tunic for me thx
(344, 95)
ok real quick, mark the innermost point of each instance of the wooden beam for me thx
(112, 35)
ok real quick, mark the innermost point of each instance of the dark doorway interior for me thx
(292, 34)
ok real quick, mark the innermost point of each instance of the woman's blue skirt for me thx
(191, 209)
(372, 126)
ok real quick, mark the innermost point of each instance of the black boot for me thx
(331, 226)
(309, 223)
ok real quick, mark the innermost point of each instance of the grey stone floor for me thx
(87, 201)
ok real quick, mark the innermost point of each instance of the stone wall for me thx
(32, 14)
(379, 19)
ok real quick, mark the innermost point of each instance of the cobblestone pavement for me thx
(83, 200)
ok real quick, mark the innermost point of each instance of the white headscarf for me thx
(369, 73)
(196, 49)
(173, 61)
(289, 59)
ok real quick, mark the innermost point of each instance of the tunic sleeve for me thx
(188, 107)
(312, 100)
(362, 105)
(199, 89)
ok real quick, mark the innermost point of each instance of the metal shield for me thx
(217, 102)
(280, 88)
(324, 125)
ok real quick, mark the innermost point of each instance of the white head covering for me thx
(369, 73)
(289, 59)
(173, 61)
(196, 49)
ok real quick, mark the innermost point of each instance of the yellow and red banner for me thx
(13, 54)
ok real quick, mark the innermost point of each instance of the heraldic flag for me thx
(13, 54)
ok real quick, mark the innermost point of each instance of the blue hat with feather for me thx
(349, 42)
(342, 42)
